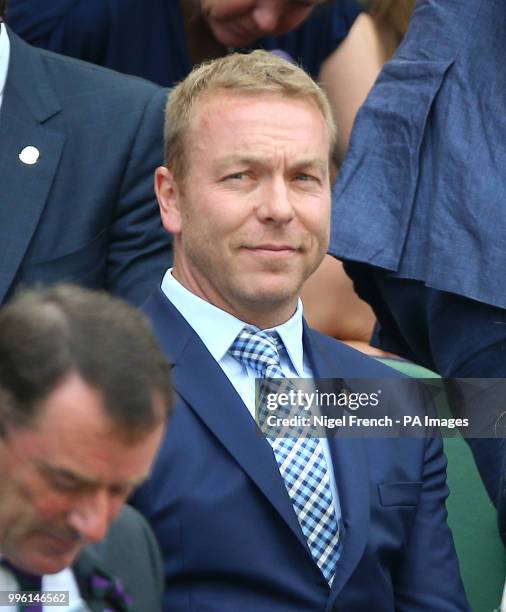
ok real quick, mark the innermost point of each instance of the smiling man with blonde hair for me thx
(272, 523)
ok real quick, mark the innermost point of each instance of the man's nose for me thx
(91, 518)
(266, 18)
(276, 204)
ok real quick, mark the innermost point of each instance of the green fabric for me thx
(471, 516)
(473, 520)
(411, 369)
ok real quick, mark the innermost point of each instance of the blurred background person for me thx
(84, 397)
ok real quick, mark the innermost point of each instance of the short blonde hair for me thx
(252, 73)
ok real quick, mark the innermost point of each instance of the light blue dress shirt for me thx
(218, 329)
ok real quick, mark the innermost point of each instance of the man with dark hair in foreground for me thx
(84, 397)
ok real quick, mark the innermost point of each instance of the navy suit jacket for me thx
(229, 535)
(86, 211)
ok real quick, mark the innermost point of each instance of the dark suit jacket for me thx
(86, 211)
(129, 552)
(229, 535)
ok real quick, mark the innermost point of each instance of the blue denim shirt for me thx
(422, 191)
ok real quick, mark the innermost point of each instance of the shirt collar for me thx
(218, 329)
(291, 335)
(4, 58)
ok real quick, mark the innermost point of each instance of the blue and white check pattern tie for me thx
(301, 461)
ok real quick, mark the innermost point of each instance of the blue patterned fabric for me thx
(421, 193)
(300, 460)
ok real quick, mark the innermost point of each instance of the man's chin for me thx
(270, 301)
(45, 564)
(46, 560)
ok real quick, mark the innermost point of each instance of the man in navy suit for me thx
(77, 148)
(272, 523)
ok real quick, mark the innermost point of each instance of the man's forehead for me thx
(228, 126)
(245, 106)
(243, 100)
(75, 474)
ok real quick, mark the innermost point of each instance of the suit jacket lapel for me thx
(218, 405)
(228, 420)
(349, 463)
(27, 105)
(84, 569)
(100, 589)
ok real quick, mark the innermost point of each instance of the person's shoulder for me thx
(88, 95)
(103, 94)
(93, 73)
(68, 74)
(142, 573)
(130, 531)
(130, 522)
(354, 360)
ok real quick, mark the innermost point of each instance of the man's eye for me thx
(59, 481)
(306, 177)
(62, 483)
(236, 176)
(120, 490)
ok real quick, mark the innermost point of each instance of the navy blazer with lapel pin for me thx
(85, 211)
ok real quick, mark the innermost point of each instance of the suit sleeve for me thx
(139, 248)
(429, 578)
(156, 561)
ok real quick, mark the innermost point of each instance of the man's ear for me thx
(168, 194)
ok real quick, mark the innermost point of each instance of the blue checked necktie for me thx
(300, 460)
